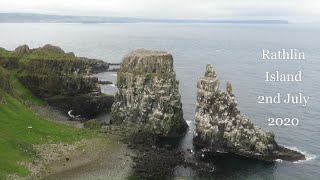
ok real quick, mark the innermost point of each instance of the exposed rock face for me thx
(21, 50)
(96, 65)
(149, 94)
(46, 86)
(87, 106)
(220, 126)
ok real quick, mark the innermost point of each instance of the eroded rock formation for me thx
(221, 127)
(149, 94)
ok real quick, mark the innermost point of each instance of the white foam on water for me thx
(308, 156)
(112, 85)
(189, 122)
(114, 75)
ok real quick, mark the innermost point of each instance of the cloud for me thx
(172, 9)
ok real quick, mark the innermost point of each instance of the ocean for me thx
(235, 52)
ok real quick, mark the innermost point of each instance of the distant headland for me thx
(46, 18)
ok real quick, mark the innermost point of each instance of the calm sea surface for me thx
(235, 53)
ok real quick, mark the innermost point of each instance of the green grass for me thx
(16, 139)
(6, 54)
(47, 55)
(38, 54)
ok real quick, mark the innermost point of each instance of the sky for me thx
(292, 10)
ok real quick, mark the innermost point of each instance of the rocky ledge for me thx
(149, 94)
(221, 127)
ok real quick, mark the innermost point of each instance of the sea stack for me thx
(148, 95)
(221, 127)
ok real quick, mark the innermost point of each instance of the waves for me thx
(189, 122)
(309, 157)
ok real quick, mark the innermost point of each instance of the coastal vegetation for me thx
(21, 129)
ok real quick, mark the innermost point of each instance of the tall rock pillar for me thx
(148, 94)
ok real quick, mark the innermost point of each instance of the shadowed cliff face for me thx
(58, 77)
(220, 126)
(149, 94)
(5, 80)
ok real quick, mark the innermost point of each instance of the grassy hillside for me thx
(20, 128)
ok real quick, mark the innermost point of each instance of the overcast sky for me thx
(294, 10)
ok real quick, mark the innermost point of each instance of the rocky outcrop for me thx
(46, 86)
(149, 94)
(96, 65)
(60, 78)
(221, 127)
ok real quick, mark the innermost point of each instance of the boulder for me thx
(21, 50)
(148, 94)
(221, 127)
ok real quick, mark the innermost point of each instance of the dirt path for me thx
(100, 159)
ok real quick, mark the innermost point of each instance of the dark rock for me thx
(152, 161)
(221, 127)
(47, 86)
(149, 94)
(114, 64)
(96, 65)
(105, 82)
(21, 50)
(87, 106)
